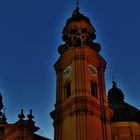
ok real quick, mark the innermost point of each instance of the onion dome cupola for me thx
(78, 32)
(115, 94)
(122, 111)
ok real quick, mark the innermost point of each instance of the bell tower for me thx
(81, 109)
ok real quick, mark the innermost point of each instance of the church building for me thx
(83, 111)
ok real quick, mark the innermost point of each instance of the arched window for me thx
(93, 89)
(68, 89)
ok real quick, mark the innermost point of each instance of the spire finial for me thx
(77, 8)
(30, 115)
(77, 4)
(113, 82)
(21, 115)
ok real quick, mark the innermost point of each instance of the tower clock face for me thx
(67, 71)
(92, 70)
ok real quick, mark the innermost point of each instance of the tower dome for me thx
(115, 94)
(77, 16)
(122, 111)
(78, 32)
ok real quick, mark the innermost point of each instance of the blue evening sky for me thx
(30, 33)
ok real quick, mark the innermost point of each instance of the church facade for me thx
(20, 130)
